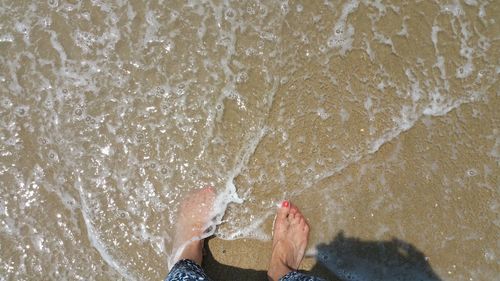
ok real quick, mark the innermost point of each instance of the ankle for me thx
(277, 268)
(193, 251)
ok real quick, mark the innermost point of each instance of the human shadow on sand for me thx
(347, 259)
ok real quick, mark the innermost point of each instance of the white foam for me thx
(57, 46)
(25, 30)
(471, 2)
(342, 38)
(7, 38)
(322, 113)
(465, 70)
(495, 150)
(434, 36)
(343, 33)
(415, 91)
(106, 150)
(299, 8)
(453, 8)
(94, 236)
(440, 64)
(344, 115)
(368, 49)
(404, 28)
(228, 195)
(381, 38)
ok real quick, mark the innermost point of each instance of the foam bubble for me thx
(6, 38)
(465, 70)
(454, 8)
(342, 38)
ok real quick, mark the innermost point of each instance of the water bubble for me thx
(249, 51)
(284, 8)
(484, 43)
(466, 52)
(250, 10)
(123, 214)
(21, 111)
(53, 157)
(53, 3)
(229, 14)
(174, 15)
(472, 172)
(160, 91)
(164, 170)
(222, 159)
(263, 11)
(242, 77)
(283, 80)
(6, 103)
(181, 89)
(46, 22)
(79, 112)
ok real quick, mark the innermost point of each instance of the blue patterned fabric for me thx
(297, 276)
(188, 270)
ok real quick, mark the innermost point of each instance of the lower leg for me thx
(192, 221)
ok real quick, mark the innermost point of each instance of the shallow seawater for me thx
(378, 119)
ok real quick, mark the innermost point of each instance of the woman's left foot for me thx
(192, 221)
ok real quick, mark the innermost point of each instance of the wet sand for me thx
(380, 121)
(415, 209)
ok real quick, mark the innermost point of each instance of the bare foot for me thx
(290, 235)
(192, 221)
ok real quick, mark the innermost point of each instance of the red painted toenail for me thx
(285, 204)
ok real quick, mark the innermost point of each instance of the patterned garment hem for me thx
(187, 270)
(297, 276)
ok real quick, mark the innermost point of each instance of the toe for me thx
(294, 219)
(283, 212)
(306, 228)
(301, 221)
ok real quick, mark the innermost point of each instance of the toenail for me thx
(285, 204)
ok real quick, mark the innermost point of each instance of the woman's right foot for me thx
(290, 236)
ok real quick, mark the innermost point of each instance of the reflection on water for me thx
(376, 118)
